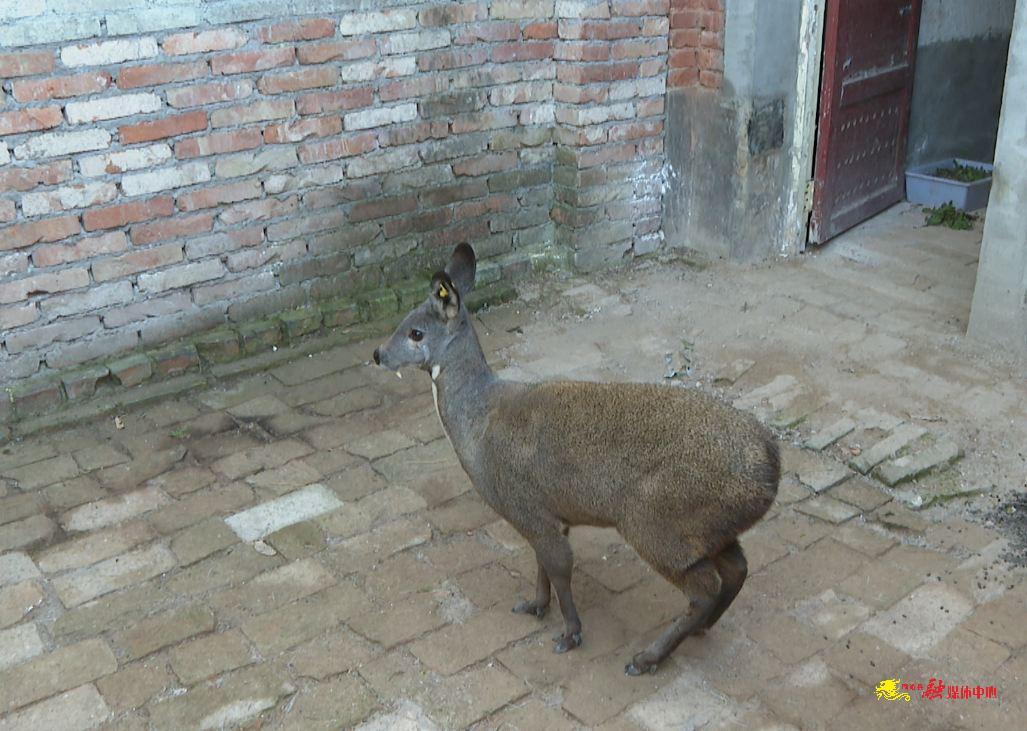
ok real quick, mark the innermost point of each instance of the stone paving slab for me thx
(300, 548)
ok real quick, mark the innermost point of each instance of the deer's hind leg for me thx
(701, 584)
(733, 569)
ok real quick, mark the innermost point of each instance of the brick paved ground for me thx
(381, 596)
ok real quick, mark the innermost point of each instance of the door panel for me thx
(865, 92)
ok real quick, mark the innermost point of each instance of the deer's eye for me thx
(416, 335)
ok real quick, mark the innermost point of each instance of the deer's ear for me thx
(445, 296)
(461, 268)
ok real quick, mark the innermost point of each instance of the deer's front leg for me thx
(543, 595)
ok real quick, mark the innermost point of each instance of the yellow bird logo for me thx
(889, 690)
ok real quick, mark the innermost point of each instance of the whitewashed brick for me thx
(181, 276)
(137, 20)
(390, 68)
(75, 710)
(80, 195)
(368, 118)
(94, 298)
(276, 157)
(353, 24)
(112, 511)
(581, 9)
(391, 160)
(157, 180)
(421, 40)
(5, 154)
(55, 144)
(264, 519)
(119, 162)
(539, 114)
(106, 53)
(126, 105)
(520, 9)
(15, 567)
(18, 644)
(115, 573)
(48, 29)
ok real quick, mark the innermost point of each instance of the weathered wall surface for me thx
(960, 65)
(167, 167)
(728, 140)
(999, 311)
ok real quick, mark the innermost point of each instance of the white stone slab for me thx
(261, 520)
(15, 567)
(18, 644)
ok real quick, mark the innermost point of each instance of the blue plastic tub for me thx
(924, 188)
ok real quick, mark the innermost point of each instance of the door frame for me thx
(804, 126)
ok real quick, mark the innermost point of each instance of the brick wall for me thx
(697, 44)
(169, 167)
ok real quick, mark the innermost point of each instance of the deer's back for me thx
(587, 448)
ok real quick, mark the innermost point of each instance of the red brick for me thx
(310, 78)
(539, 31)
(407, 88)
(524, 51)
(465, 231)
(594, 73)
(159, 129)
(485, 164)
(338, 147)
(685, 38)
(337, 51)
(202, 94)
(60, 87)
(634, 130)
(606, 154)
(683, 58)
(84, 248)
(136, 261)
(302, 129)
(382, 208)
(650, 107)
(22, 179)
(639, 48)
(599, 31)
(582, 51)
(218, 142)
(487, 32)
(118, 215)
(26, 63)
(409, 134)
(218, 194)
(710, 59)
(709, 39)
(712, 21)
(711, 79)
(492, 204)
(30, 120)
(50, 229)
(652, 66)
(304, 30)
(441, 60)
(203, 41)
(241, 63)
(685, 18)
(330, 101)
(572, 94)
(418, 223)
(680, 78)
(151, 233)
(162, 73)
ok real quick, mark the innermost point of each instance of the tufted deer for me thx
(678, 473)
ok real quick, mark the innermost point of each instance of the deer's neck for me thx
(462, 388)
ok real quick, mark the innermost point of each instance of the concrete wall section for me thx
(728, 151)
(957, 91)
(999, 312)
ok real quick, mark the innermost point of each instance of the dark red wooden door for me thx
(865, 90)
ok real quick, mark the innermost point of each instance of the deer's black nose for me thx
(377, 357)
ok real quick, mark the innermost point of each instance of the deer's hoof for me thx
(639, 667)
(565, 643)
(527, 607)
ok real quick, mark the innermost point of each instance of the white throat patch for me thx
(435, 370)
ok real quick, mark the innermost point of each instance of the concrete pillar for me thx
(999, 312)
